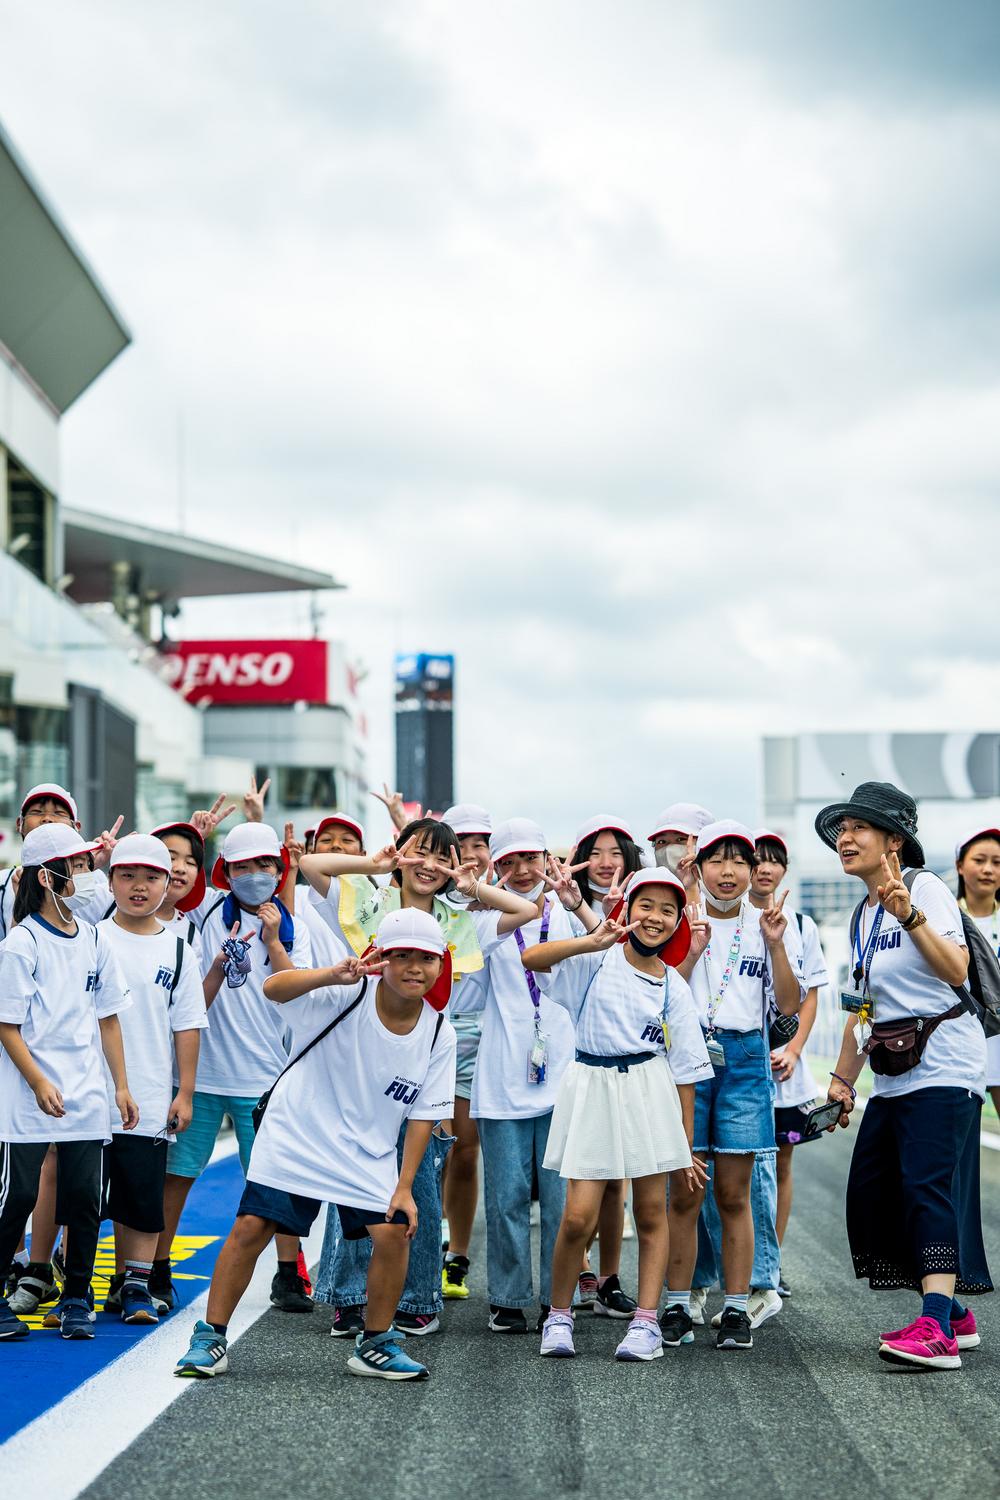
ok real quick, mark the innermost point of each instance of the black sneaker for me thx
(162, 1291)
(288, 1292)
(676, 1326)
(113, 1301)
(507, 1320)
(612, 1302)
(348, 1322)
(542, 1316)
(416, 1323)
(784, 1290)
(734, 1330)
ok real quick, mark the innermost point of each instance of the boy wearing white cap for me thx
(161, 1032)
(60, 996)
(248, 937)
(50, 803)
(372, 1057)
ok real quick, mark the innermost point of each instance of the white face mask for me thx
(598, 890)
(669, 857)
(85, 887)
(725, 906)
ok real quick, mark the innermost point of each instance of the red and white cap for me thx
(249, 841)
(970, 838)
(196, 894)
(681, 817)
(410, 928)
(675, 949)
(516, 836)
(141, 849)
(342, 820)
(53, 841)
(468, 817)
(56, 792)
(723, 829)
(769, 833)
(604, 823)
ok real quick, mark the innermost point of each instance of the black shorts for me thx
(354, 1222)
(291, 1213)
(134, 1169)
(790, 1123)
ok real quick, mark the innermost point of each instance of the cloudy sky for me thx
(644, 354)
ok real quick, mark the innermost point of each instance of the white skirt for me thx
(608, 1124)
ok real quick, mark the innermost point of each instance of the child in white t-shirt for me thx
(161, 1033)
(60, 996)
(50, 803)
(626, 1105)
(377, 1056)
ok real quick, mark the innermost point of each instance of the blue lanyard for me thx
(863, 958)
(543, 937)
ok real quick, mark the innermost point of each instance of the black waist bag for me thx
(257, 1114)
(895, 1047)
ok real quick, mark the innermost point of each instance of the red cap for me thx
(196, 894)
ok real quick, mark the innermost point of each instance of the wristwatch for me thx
(916, 919)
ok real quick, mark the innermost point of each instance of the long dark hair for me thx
(31, 893)
(983, 838)
(630, 853)
(436, 836)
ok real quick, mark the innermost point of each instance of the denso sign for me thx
(248, 672)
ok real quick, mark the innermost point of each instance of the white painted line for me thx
(75, 1435)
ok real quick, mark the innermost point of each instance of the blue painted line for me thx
(39, 1371)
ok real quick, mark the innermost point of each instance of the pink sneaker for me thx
(965, 1331)
(923, 1343)
(896, 1334)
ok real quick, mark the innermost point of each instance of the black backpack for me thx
(982, 986)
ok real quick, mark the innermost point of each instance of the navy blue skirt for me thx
(913, 1192)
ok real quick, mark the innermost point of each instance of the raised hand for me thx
(773, 921)
(610, 932)
(253, 800)
(390, 858)
(559, 879)
(106, 842)
(295, 847)
(208, 820)
(394, 803)
(701, 929)
(687, 869)
(464, 873)
(616, 890)
(892, 892)
(270, 921)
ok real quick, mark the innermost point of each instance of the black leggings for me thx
(78, 1201)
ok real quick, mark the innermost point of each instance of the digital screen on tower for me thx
(424, 734)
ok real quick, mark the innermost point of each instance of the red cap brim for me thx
(678, 945)
(221, 880)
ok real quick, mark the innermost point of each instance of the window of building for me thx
(300, 786)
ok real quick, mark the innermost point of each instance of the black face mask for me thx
(647, 950)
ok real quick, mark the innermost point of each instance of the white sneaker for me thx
(699, 1297)
(557, 1337)
(762, 1305)
(643, 1340)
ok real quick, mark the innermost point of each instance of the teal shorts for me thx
(190, 1154)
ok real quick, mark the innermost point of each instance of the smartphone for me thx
(822, 1117)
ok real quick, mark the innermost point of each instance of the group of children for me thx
(624, 1021)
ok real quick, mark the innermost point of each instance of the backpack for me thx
(981, 990)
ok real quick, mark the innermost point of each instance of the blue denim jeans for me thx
(766, 1250)
(342, 1278)
(512, 1151)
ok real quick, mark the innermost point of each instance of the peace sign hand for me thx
(395, 805)
(207, 821)
(610, 932)
(559, 879)
(464, 873)
(253, 801)
(687, 868)
(773, 921)
(701, 929)
(893, 893)
(390, 858)
(106, 842)
(616, 890)
(295, 847)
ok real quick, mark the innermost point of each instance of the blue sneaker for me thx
(11, 1326)
(382, 1356)
(206, 1355)
(77, 1317)
(137, 1305)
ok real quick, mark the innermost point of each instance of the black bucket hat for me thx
(883, 806)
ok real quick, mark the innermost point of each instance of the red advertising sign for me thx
(248, 672)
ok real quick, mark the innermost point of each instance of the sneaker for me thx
(965, 1332)
(923, 1344)
(761, 1306)
(784, 1290)
(8, 1283)
(162, 1291)
(543, 1314)
(586, 1289)
(113, 1301)
(206, 1354)
(348, 1322)
(612, 1302)
(698, 1299)
(676, 1326)
(381, 1356)
(642, 1341)
(288, 1294)
(136, 1304)
(734, 1330)
(453, 1277)
(59, 1264)
(507, 1320)
(77, 1317)
(11, 1326)
(557, 1337)
(303, 1271)
(416, 1323)
(35, 1286)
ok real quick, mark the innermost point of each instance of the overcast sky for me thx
(644, 354)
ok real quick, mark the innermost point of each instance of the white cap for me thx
(251, 841)
(53, 841)
(659, 876)
(141, 849)
(332, 820)
(606, 823)
(410, 928)
(56, 792)
(468, 817)
(722, 829)
(681, 817)
(516, 836)
(970, 838)
(769, 833)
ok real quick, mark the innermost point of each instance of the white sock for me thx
(737, 1300)
(680, 1299)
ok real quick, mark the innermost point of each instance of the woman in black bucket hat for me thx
(913, 1217)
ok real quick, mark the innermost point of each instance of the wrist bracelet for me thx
(853, 1091)
(916, 919)
(572, 909)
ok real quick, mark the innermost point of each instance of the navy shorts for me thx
(354, 1222)
(291, 1212)
(790, 1123)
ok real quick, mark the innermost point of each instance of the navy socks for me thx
(938, 1307)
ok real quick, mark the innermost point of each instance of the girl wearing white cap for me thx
(50, 803)
(60, 996)
(373, 1059)
(246, 937)
(743, 965)
(977, 860)
(161, 1031)
(626, 1104)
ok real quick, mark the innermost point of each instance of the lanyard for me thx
(543, 937)
(863, 956)
(727, 973)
